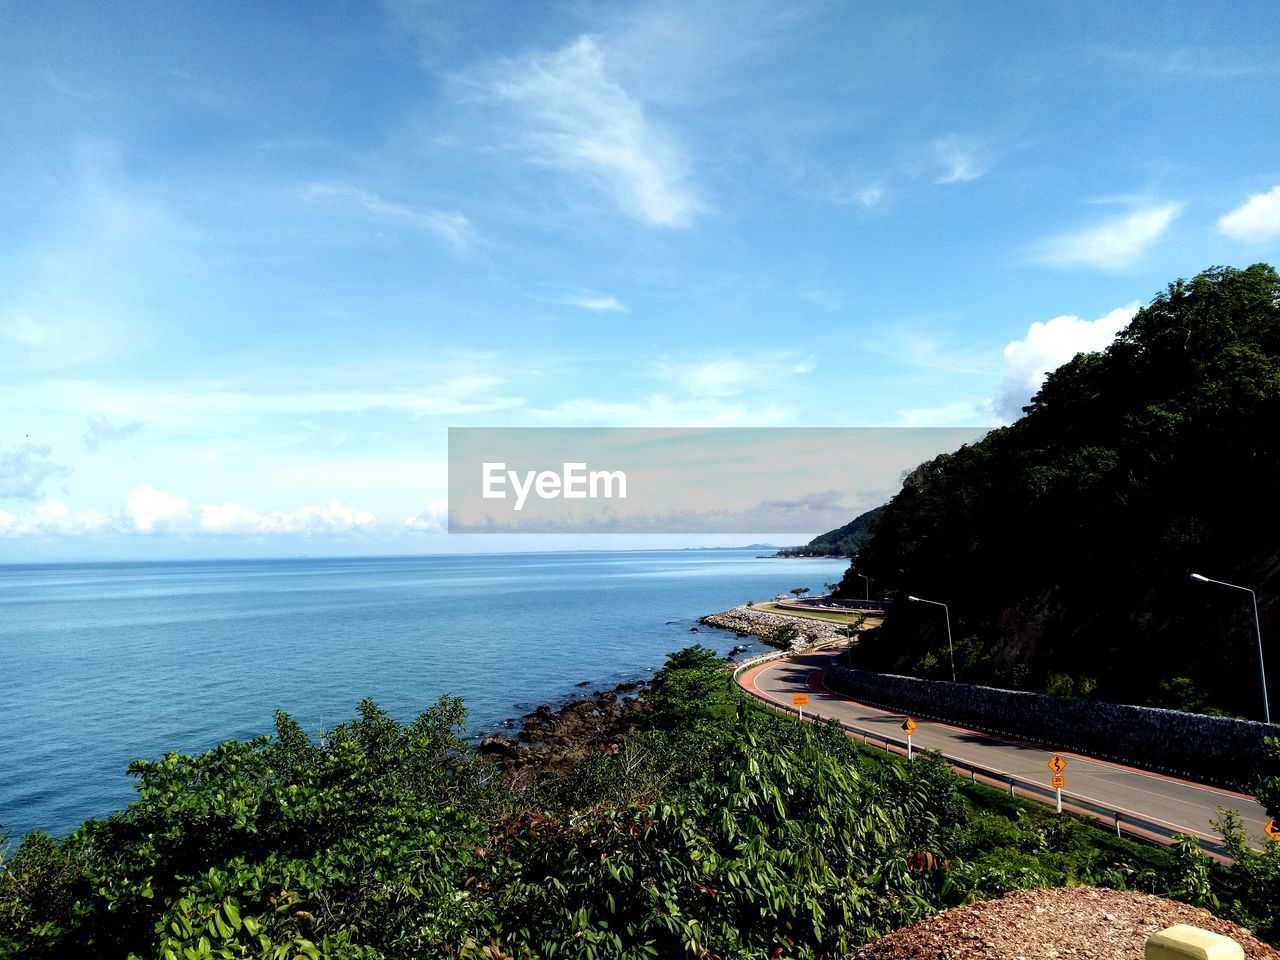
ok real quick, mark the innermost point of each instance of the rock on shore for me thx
(550, 741)
(759, 623)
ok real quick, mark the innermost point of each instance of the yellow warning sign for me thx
(799, 699)
(1057, 764)
(909, 726)
(1059, 781)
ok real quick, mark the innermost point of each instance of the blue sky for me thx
(258, 257)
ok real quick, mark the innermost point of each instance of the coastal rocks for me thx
(550, 741)
(744, 620)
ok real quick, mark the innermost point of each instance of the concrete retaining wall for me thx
(1217, 750)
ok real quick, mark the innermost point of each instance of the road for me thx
(1151, 805)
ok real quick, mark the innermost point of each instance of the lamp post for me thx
(950, 646)
(868, 579)
(1257, 627)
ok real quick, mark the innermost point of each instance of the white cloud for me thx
(1256, 220)
(590, 300)
(180, 404)
(959, 160)
(579, 119)
(709, 392)
(434, 519)
(332, 518)
(725, 376)
(1110, 245)
(25, 470)
(956, 413)
(149, 509)
(867, 197)
(54, 518)
(1046, 347)
(453, 229)
(663, 410)
(101, 430)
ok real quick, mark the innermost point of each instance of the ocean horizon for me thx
(104, 663)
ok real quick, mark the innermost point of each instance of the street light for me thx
(1257, 627)
(950, 646)
(868, 579)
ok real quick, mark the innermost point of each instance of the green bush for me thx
(718, 828)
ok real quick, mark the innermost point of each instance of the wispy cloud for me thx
(727, 376)
(867, 197)
(1111, 245)
(591, 300)
(954, 413)
(182, 403)
(1257, 220)
(704, 392)
(1199, 61)
(25, 470)
(576, 117)
(958, 159)
(101, 430)
(454, 229)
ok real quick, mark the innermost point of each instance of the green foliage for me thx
(1266, 786)
(690, 690)
(719, 829)
(844, 541)
(1249, 893)
(276, 846)
(1132, 467)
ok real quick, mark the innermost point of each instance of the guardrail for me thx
(1124, 821)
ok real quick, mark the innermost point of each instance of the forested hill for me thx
(844, 541)
(1064, 543)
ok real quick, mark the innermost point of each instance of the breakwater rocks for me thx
(759, 623)
(550, 741)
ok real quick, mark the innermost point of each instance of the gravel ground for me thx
(1063, 924)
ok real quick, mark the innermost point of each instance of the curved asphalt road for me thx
(1155, 805)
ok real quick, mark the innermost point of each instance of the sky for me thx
(258, 258)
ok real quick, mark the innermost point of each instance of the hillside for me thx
(1064, 542)
(843, 541)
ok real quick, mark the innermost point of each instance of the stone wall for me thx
(1218, 750)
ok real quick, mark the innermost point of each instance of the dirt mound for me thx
(1065, 924)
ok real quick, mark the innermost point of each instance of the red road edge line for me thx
(816, 682)
(821, 687)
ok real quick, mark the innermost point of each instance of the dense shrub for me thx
(717, 830)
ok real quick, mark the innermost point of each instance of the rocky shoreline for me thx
(551, 740)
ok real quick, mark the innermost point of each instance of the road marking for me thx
(880, 716)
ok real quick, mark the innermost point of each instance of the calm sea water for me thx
(104, 663)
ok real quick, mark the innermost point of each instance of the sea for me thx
(101, 664)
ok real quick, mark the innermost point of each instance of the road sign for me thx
(799, 699)
(1271, 830)
(1057, 764)
(909, 726)
(1059, 781)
